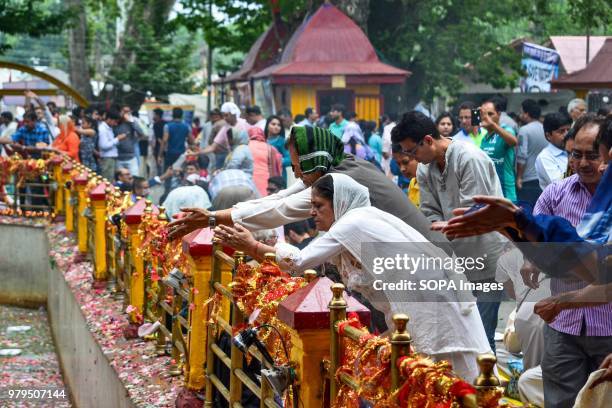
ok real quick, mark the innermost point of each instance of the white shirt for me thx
(107, 142)
(261, 124)
(8, 130)
(386, 148)
(550, 165)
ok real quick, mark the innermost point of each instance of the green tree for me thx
(151, 54)
(153, 57)
(31, 17)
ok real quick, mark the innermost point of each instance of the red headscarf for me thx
(255, 133)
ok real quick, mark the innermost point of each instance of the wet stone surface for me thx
(28, 361)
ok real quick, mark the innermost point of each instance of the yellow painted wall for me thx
(367, 107)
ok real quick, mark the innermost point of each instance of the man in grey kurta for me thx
(449, 174)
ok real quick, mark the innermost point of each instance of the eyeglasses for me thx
(589, 156)
(412, 152)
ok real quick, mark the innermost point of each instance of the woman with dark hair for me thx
(446, 124)
(275, 136)
(88, 132)
(443, 326)
(372, 138)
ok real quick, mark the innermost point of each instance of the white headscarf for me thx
(186, 196)
(437, 327)
(353, 131)
(231, 108)
(348, 195)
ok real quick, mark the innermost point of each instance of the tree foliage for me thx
(32, 17)
(440, 41)
(153, 56)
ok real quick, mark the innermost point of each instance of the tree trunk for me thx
(77, 38)
(358, 10)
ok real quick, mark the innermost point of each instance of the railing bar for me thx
(222, 356)
(225, 258)
(349, 380)
(182, 321)
(271, 403)
(252, 350)
(166, 307)
(167, 333)
(179, 346)
(223, 290)
(219, 386)
(224, 325)
(351, 332)
(183, 293)
(34, 206)
(255, 389)
(237, 405)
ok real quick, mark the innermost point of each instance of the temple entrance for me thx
(327, 98)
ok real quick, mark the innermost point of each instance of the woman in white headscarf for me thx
(186, 197)
(442, 325)
(240, 156)
(234, 126)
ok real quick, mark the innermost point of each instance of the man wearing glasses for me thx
(450, 173)
(578, 339)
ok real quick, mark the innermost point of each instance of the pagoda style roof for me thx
(596, 75)
(329, 43)
(264, 52)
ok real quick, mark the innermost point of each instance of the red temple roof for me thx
(263, 52)
(330, 43)
(596, 75)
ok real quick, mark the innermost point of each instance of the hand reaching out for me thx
(190, 219)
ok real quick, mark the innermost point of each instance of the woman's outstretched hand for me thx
(189, 219)
(237, 237)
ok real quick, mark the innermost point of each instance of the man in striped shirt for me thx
(578, 340)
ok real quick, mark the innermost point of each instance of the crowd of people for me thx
(312, 189)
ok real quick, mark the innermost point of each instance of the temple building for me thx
(327, 60)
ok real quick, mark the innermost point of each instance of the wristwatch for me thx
(212, 219)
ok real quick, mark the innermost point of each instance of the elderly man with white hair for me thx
(221, 144)
(576, 108)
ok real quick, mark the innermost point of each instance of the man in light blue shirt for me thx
(337, 126)
(311, 117)
(107, 144)
(467, 132)
(551, 163)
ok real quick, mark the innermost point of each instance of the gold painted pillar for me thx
(58, 204)
(135, 268)
(311, 314)
(68, 186)
(200, 270)
(80, 188)
(97, 197)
